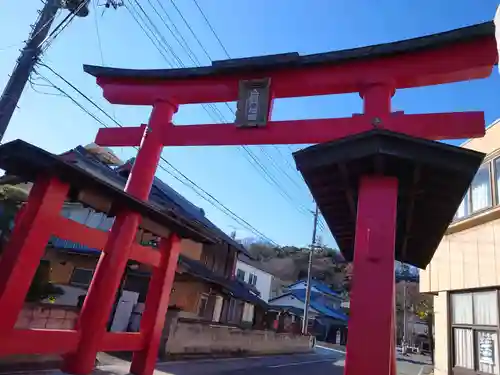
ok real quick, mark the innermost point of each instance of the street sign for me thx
(254, 101)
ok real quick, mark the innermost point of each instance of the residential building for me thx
(464, 274)
(325, 314)
(255, 274)
(323, 293)
(204, 287)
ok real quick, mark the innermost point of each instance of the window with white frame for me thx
(252, 280)
(464, 208)
(474, 324)
(497, 178)
(480, 190)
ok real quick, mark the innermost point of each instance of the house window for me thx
(480, 190)
(252, 279)
(202, 305)
(474, 319)
(497, 178)
(81, 277)
(464, 208)
(240, 275)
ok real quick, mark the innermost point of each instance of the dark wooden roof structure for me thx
(433, 178)
(295, 61)
(29, 162)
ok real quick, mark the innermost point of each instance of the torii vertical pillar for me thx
(372, 303)
(97, 306)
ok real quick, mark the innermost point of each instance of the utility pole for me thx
(404, 344)
(30, 55)
(305, 321)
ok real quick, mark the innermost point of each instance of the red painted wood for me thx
(160, 286)
(435, 126)
(38, 341)
(96, 239)
(97, 306)
(145, 255)
(126, 136)
(26, 247)
(122, 341)
(377, 100)
(71, 230)
(374, 254)
(454, 63)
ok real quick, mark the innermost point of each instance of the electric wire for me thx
(62, 26)
(190, 183)
(226, 52)
(254, 160)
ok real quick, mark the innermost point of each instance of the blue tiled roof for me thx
(67, 245)
(320, 307)
(318, 285)
(300, 294)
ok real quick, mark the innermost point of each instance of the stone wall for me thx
(46, 316)
(200, 338)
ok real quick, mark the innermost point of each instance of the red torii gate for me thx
(375, 72)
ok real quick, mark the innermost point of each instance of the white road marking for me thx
(331, 349)
(301, 363)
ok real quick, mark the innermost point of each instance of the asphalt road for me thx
(322, 361)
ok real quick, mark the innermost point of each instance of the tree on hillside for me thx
(11, 199)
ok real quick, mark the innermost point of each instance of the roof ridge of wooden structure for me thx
(294, 59)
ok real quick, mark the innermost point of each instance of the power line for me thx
(98, 33)
(229, 56)
(254, 160)
(191, 184)
(62, 25)
(211, 28)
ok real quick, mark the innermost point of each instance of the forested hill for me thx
(289, 263)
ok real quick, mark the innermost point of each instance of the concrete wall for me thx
(465, 259)
(264, 279)
(488, 143)
(469, 254)
(441, 347)
(187, 338)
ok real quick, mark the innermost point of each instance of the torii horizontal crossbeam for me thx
(436, 126)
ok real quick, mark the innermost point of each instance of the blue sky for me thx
(246, 28)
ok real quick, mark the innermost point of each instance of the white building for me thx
(253, 273)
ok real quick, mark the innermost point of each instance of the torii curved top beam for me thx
(457, 55)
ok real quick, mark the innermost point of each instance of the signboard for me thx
(486, 348)
(253, 105)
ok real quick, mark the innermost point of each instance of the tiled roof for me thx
(161, 195)
(235, 287)
(316, 304)
(194, 267)
(318, 285)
